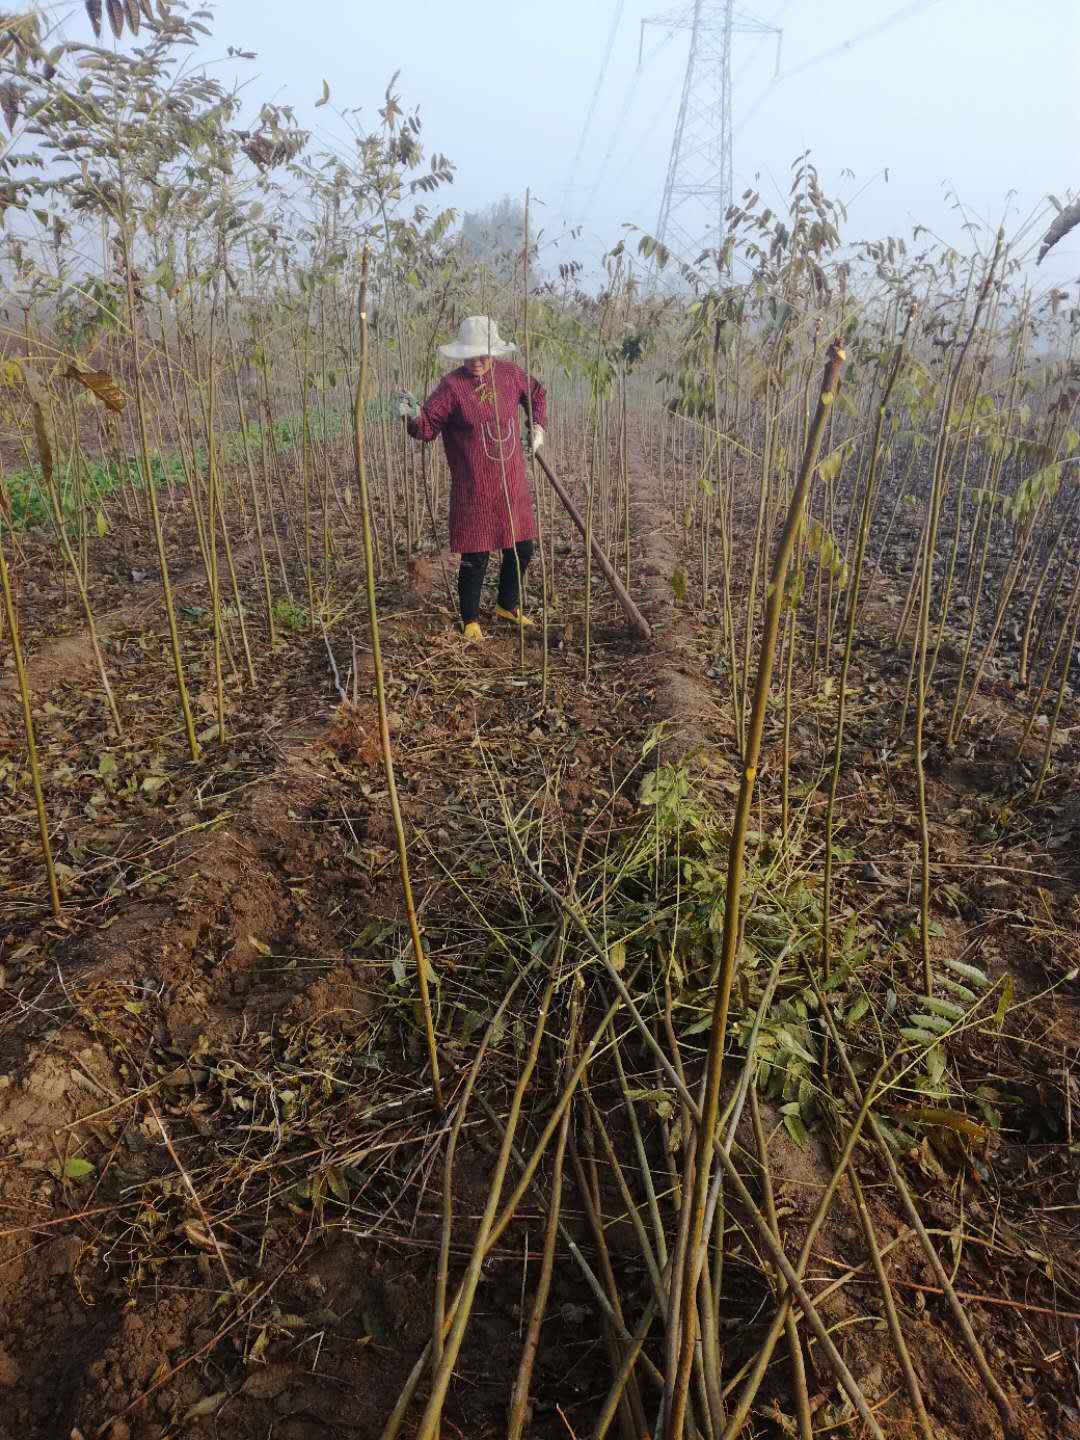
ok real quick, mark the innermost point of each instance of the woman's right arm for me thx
(434, 414)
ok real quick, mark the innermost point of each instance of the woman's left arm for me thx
(532, 390)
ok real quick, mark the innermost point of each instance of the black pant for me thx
(471, 578)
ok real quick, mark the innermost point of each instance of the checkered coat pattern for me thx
(479, 424)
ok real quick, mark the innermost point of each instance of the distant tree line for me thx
(495, 235)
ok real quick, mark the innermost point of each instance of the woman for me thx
(475, 410)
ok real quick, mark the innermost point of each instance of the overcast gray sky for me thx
(982, 96)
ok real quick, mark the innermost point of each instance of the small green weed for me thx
(291, 616)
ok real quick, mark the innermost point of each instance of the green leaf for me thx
(106, 764)
(77, 1169)
(339, 1186)
(164, 276)
(652, 739)
(918, 1037)
(938, 1023)
(830, 466)
(786, 1039)
(960, 991)
(947, 1008)
(969, 972)
(893, 1138)
(431, 975)
(858, 1010)
(935, 1065)
(1004, 1001)
(209, 1405)
(699, 1026)
(796, 1129)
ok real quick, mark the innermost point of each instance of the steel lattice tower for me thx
(698, 189)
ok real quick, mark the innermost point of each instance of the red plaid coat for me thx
(478, 422)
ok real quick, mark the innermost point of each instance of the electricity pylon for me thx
(697, 193)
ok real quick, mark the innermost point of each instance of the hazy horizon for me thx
(937, 113)
(959, 96)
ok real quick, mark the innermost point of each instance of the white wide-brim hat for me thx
(476, 335)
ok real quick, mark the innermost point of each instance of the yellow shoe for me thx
(473, 633)
(515, 615)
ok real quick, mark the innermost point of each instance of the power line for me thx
(619, 126)
(615, 20)
(904, 13)
(650, 129)
(700, 167)
(869, 33)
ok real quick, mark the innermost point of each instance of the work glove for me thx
(532, 437)
(408, 407)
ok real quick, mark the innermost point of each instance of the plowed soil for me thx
(220, 1169)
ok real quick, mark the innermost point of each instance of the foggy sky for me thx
(979, 97)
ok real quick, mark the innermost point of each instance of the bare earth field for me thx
(221, 1174)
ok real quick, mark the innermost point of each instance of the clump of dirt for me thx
(431, 574)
